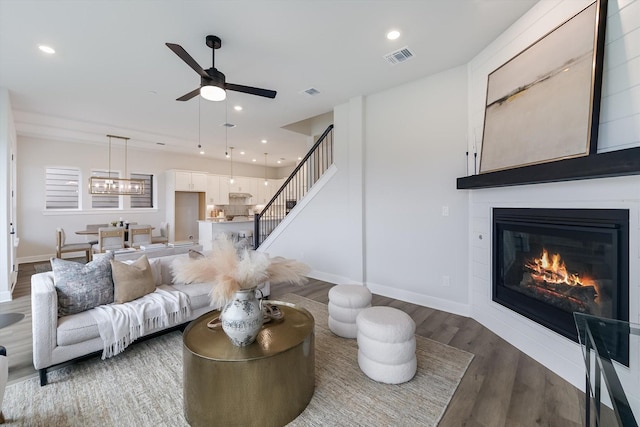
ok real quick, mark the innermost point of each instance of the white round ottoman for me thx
(386, 344)
(345, 303)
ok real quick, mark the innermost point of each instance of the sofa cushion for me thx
(131, 281)
(198, 294)
(156, 269)
(80, 286)
(77, 328)
(166, 268)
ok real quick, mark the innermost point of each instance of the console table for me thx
(267, 383)
(603, 341)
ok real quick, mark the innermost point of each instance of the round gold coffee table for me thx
(267, 383)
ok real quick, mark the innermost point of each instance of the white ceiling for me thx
(113, 72)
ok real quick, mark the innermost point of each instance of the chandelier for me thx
(108, 186)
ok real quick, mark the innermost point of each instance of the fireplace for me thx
(549, 263)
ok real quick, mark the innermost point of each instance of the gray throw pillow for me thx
(80, 286)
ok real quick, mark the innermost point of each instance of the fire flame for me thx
(554, 270)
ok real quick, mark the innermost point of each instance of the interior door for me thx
(187, 210)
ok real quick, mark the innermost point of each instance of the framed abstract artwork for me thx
(543, 105)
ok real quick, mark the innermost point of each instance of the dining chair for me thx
(164, 234)
(63, 247)
(139, 235)
(95, 228)
(109, 238)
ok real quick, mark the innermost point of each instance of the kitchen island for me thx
(211, 228)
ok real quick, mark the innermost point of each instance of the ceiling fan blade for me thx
(251, 90)
(178, 50)
(189, 95)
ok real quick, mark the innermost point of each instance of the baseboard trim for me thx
(421, 299)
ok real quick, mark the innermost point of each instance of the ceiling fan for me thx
(212, 82)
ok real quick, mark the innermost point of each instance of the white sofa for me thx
(61, 339)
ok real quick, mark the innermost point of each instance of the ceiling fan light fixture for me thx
(213, 93)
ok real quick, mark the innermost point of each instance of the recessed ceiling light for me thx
(392, 35)
(279, 161)
(242, 153)
(299, 158)
(47, 49)
(253, 160)
(264, 141)
(238, 108)
(201, 151)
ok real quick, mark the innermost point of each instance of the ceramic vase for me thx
(242, 317)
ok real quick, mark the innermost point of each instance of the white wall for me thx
(414, 151)
(37, 226)
(379, 220)
(619, 128)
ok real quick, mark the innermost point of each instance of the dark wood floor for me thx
(502, 387)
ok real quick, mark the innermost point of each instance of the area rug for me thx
(143, 386)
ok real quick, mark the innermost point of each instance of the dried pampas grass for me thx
(188, 270)
(282, 270)
(231, 270)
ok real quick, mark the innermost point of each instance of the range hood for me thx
(240, 195)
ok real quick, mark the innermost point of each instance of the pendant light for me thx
(266, 182)
(231, 181)
(199, 126)
(108, 186)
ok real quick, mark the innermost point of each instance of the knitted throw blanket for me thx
(121, 324)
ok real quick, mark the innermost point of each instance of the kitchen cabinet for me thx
(190, 181)
(246, 185)
(266, 192)
(243, 184)
(225, 188)
(217, 190)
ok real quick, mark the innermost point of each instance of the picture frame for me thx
(543, 105)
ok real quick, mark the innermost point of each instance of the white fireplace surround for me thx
(558, 353)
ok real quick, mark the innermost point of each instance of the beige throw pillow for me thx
(131, 281)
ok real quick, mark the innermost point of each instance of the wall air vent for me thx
(311, 91)
(398, 56)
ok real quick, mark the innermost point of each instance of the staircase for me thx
(308, 171)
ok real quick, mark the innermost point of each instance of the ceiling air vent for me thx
(228, 125)
(311, 91)
(398, 56)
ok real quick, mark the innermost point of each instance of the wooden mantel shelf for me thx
(604, 165)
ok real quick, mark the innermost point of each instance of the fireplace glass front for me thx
(550, 263)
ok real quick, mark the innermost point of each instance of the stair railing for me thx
(295, 187)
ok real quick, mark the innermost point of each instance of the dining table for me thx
(94, 232)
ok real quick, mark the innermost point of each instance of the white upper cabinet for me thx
(217, 190)
(243, 184)
(246, 185)
(190, 181)
(264, 192)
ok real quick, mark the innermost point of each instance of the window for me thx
(105, 202)
(145, 200)
(62, 188)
